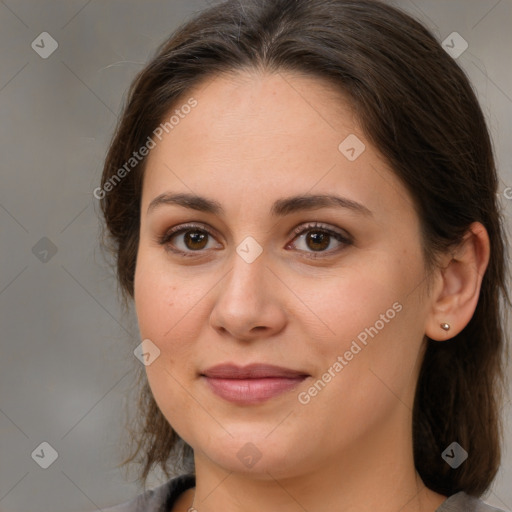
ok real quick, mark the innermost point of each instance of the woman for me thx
(301, 201)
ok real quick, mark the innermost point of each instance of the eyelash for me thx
(164, 239)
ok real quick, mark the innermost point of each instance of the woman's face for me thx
(329, 289)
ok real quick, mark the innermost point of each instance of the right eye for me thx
(195, 239)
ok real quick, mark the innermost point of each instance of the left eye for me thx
(317, 238)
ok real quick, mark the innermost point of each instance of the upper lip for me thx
(252, 371)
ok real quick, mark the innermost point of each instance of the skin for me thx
(254, 138)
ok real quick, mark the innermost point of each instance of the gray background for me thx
(67, 367)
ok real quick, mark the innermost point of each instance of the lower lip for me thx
(251, 391)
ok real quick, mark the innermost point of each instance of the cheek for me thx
(162, 318)
(344, 307)
(374, 321)
(156, 302)
(170, 312)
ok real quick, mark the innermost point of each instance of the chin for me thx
(255, 454)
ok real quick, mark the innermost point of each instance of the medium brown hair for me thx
(417, 107)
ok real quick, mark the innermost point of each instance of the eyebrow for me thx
(280, 208)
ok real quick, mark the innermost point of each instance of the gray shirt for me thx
(163, 498)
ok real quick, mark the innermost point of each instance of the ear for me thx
(458, 285)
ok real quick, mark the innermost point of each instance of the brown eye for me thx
(316, 239)
(192, 240)
(186, 240)
(195, 240)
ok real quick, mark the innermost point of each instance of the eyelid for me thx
(190, 225)
(310, 226)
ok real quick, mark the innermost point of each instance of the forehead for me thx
(245, 102)
(258, 134)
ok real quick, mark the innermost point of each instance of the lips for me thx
(252, 371)
(251, 384)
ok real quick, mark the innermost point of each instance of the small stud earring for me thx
(445, 326)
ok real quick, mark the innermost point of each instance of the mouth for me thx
(251, 384)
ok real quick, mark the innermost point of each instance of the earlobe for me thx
(455, 300)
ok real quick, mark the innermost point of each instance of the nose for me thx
(250, 301)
